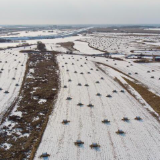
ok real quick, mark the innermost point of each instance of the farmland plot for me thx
(122, 43)
(88, 96)
(12, 69)
(148, 74)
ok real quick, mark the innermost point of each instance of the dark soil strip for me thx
(152, 99)
(126, 87)
(35, 116)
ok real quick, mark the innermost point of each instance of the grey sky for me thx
(79, 11)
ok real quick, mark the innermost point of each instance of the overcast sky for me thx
(79, 12)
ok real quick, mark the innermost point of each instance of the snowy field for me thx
(48, 42)
(84, 48)
(153, 29)
(122, 43)
(12, 69)
(147, 74)
(5, 45)
(141, 138)
(32, 33)
(42, 34)
(86, 82)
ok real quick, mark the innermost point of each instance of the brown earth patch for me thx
(68, 45)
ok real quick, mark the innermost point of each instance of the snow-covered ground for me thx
(154, 44)
(51, 44)
(12, 69)
(55, 47)
(141, 140)
(128, 67)
(84, 48)
(5, 45)
(33, 33)
(46, 41)
(43, 34)
(153, 29)
(122, 43)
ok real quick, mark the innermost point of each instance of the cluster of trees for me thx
(41, 46)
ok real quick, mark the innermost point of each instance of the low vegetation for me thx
(116, 58)
(142, 61)
(41, 46)
(68, 45)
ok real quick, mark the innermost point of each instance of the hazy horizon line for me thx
(140, 24)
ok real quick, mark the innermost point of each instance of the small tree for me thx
(41, 46)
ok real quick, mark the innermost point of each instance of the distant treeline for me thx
(4, 40)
